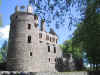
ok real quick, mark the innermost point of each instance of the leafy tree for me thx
(68, 47)
(76, 51)
(3, 52)
(55, 11)
(0, 16)
(87, 34)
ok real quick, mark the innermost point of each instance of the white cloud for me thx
(4, 32)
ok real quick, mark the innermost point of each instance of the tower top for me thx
(29, 9)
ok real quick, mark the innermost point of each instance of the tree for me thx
(68, 47)
(3, 52)
(0, 16)
(55, 11)
(87, 34)
(76, 51)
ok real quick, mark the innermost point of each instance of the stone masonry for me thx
(30, 48)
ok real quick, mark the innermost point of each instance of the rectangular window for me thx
(54, 49)
(49, 59)
(29, 39)
(29, 26)
(50, 39)
(40, 35)
(56, 40)
(47, 37)
(30, 53)
(48, 48)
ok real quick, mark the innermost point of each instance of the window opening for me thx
(49, 59)
(40, 35)
(29, 26)
(48, 48)
(29, 39)
(54, 49)
(30, 53)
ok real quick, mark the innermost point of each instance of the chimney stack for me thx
(42, 25)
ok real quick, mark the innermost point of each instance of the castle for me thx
(31, 48)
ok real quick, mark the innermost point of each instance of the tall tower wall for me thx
(23, 42)
(31, 49)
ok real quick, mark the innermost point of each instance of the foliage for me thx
(1, 59)
(3, 52)
(0, 2)
(0, 16)
(55, 11)
(87, 34)
(68, 47)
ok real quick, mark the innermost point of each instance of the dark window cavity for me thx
(41, 41)
(29, 39)
(40, 35)
(54, 49)
(30, 53)
(49, 59)
(29, 26)
(48, 48)
(16, 17)
(55, 59)
(50, 39)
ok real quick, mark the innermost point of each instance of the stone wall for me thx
(26, 52)
(22, 55)
(44, 73)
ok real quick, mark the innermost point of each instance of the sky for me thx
(7, 8)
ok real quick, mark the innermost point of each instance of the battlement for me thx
(28, 9)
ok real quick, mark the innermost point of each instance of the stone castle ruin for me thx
(30, 48)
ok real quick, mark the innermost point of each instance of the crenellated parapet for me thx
(29, 9)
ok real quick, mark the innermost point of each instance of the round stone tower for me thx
(23, 40)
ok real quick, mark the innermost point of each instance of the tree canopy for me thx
(55, 11)
(87, 33)
(3, 52)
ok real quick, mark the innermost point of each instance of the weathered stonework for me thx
(28, 48)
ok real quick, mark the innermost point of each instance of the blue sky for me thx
(7, 8)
